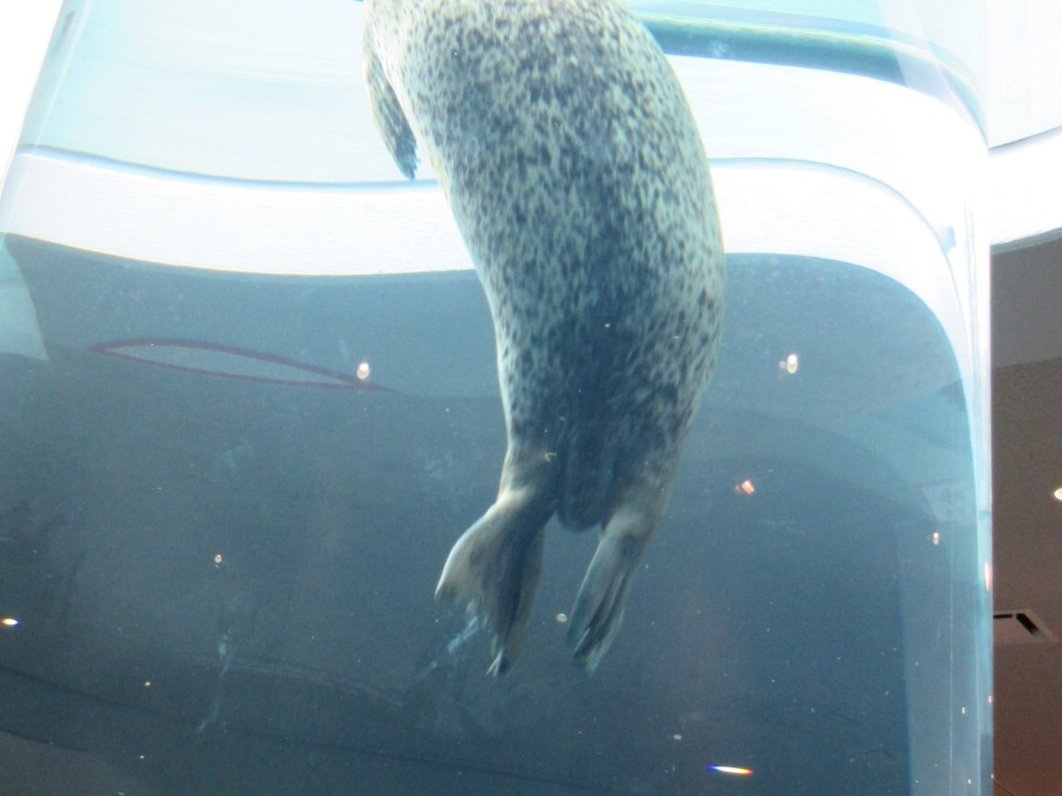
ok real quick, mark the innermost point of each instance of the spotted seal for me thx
(573, 167)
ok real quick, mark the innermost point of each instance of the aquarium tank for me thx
(249, 401)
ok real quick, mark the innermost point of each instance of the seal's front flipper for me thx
(494, 567)
(598, 610)
(390, 120)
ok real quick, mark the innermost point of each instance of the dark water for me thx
(224, 585)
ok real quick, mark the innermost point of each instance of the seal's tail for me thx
(598, 610)
(587, 476)
(494, 568)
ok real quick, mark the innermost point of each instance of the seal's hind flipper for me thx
(494, 567)
(598, 610)
(390, 120)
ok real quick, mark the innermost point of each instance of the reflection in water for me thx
(225, 653)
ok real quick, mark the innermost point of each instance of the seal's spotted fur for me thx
(573, 167)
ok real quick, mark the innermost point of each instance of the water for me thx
(238, 444)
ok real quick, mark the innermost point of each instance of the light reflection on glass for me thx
(734, 771)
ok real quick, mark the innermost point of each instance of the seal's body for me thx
(574, 169)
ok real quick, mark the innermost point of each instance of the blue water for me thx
(226, 496)
(264, 554)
